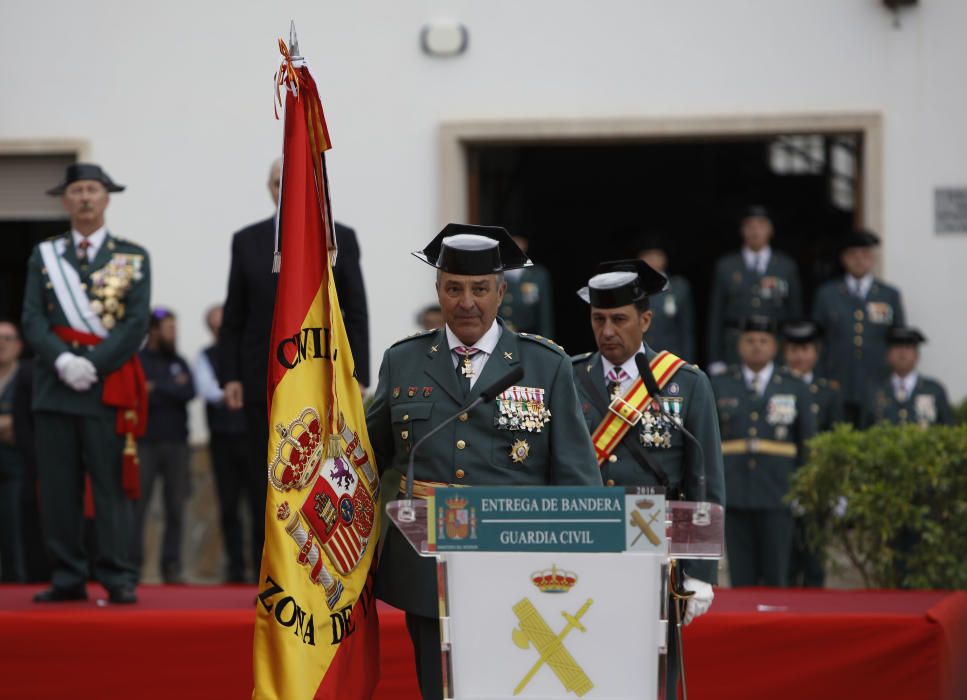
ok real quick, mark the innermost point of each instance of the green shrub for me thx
(905, 523)
(960, 413)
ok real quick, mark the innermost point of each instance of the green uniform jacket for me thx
(826, 403)
(673, 320)
(418, 389)
(528, 303)
(41, 311)
(781, 416)
(926, 405)
(854, 351)
(679, 460)
(738, 293)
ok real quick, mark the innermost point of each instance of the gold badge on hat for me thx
(519, 451)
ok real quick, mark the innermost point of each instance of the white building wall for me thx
(175, 100)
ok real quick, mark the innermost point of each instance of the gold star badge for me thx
(519, 451)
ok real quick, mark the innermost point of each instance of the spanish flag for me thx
(316, 630)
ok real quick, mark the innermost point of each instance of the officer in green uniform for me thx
(756, 281)
(856, 311)
(653, 452)
(673, 315)
(765, 419)
(528, 304)
(801, 352)
(428, 377)
(85, 315)
(906, 396)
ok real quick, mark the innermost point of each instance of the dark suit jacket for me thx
(243, 343)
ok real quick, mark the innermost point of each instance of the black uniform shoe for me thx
(61, 595)
(122, 595)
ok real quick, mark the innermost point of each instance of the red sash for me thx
(126, 390)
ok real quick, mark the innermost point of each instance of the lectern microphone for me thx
(486, 396)
(647, 376)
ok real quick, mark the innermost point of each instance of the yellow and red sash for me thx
(625, 411)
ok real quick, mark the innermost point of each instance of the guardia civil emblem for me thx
(336, 498)
(533, 631)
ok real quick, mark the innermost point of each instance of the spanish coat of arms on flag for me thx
(316, 633)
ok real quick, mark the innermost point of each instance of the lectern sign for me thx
(566, 519)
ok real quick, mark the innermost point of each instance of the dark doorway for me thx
(19, 239)
(583, 203)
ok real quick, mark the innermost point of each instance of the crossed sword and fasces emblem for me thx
(644, 526)
(533, 630)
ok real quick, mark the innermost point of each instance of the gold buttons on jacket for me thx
(461, 444)
(753, 432)
(858, 315)
(858, 341)
(463, 417)
(612, 458)
(609, 482)
(754, 415)
(460, 473)
(406, 417)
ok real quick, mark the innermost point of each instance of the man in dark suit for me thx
(244, 340)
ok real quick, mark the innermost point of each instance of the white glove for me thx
(700, 602)
(839, 509)
(717, 368)
(76, 372)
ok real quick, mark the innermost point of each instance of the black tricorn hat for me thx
(861, 238)
(85, 171)
(801, 332)
(901, 335)
(757, 324)
(755, 210)
(622, 282)
(464, 249)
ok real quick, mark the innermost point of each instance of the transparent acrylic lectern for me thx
(555, 592)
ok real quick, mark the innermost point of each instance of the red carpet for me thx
(196, 642)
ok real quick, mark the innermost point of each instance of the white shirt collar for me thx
(486, 344)
(907, 383)
(863, 284)
(764, 375)
(750, 256)
(629, 366)
(96, 240)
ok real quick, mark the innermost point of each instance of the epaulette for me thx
(412, 336)
(583, 357)
(541, 340)
(58, 235)
(691, 368)
(126, 242)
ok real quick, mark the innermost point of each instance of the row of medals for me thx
(516, 415)
(109, 285)
(654, 430)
